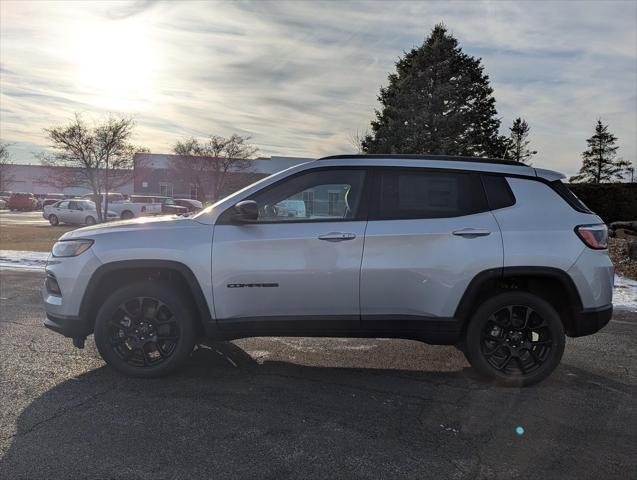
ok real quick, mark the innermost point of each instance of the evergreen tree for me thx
(518, 148)
(599, 163)
(439, 101)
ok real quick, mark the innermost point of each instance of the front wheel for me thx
(54, 220)
(89, 220)
(145, 330)
(515, 338)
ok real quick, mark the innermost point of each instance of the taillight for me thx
(594, 236)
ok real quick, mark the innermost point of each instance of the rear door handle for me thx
(337, 236)
(471, 232)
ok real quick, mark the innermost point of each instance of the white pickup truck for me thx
(126, 209)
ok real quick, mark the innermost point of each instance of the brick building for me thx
(155, 174)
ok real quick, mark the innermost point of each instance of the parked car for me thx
(75, 212)
(3, 203)
(126, 209)
(22, 201)
(168, 205)
(190, 204)
(495, 257)
(49, 201)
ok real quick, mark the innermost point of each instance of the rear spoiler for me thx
(549, 175)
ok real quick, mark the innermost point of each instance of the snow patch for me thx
(23, 260)
(625, 294)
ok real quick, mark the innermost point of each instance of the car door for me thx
(75, 213)
(287, 271)
(430, 232)
(62, 212)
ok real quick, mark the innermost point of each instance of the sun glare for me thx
(116, 64)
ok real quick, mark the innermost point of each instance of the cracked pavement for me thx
(307, 408)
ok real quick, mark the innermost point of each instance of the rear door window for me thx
(423, 193)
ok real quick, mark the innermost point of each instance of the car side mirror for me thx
(246, 211)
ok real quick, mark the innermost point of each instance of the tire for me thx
(54, 220)
(89, 220)
(127, 215)
(156, 310)
(509, 349)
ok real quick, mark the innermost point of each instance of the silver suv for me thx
(494, 257)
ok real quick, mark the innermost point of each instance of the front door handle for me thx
(471, 232)
(337, 236)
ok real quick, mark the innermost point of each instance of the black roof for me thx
(401, 156)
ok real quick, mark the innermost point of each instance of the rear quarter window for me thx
(566, 193)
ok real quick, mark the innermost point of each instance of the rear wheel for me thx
(127, 215)
(145, 330)
(89, 220)
(54, 220)
(515, 338)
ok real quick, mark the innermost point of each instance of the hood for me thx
(136, 224)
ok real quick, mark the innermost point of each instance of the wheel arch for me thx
(116, 274)
(552, 284)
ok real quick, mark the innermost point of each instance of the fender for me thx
(494, 276)
(193, 284)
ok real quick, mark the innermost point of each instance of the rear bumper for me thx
(590, 320)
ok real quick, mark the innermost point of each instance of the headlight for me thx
(71, 248)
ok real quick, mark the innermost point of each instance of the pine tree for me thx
(518, 149)
(439, 101)
(599, 163)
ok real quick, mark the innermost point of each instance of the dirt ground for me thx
(34, 238)
(624, 266)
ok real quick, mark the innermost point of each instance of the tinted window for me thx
(313, 196)
(419, 193)
(572, 199)
(499, 194)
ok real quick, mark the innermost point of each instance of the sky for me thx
(301, 78)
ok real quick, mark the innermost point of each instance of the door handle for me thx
(337, 236)
(471, 232)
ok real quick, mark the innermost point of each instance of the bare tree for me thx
(192, 166)
(100, 157)
(208, 163)
(356, 140)
(6, 167)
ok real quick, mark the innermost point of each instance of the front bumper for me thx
(71, 327)
(590, 320)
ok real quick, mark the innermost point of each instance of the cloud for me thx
(300, 77)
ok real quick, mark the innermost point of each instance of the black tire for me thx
(515, 352)
(124, 353)
(54, 220)
(89, 220)
(127, 215)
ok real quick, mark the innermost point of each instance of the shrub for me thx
(611, 201)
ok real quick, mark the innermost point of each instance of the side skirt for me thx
(437, 331)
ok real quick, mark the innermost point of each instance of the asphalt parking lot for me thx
(308, 408)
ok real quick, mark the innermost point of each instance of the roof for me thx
(401, 156)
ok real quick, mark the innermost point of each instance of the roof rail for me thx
(402, 156)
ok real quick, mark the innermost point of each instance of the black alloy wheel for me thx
(146, 329)
(515, 338)
(143, 332)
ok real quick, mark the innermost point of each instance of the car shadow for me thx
(228, 416)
